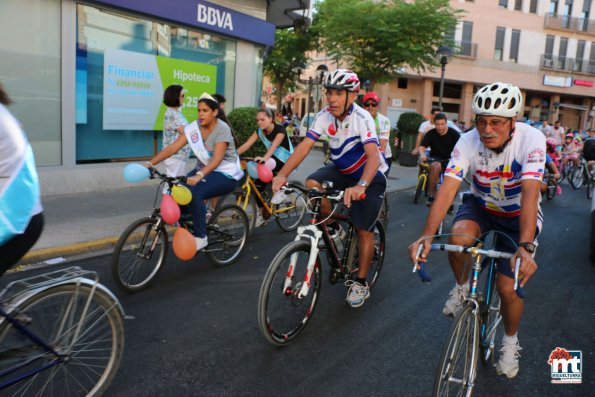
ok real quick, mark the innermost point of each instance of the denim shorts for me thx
(472, 210)
(364, 212)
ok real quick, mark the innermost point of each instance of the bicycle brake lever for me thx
(518, 289)
(416, 263)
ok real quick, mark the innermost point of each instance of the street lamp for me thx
(444, 55)
(321, 71)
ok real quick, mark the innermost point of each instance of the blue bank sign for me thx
(205, 15)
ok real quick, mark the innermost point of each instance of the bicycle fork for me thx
(313, 234)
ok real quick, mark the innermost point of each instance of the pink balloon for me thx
(170, 211)
(264, 173)
(271, 163)
(184, 244)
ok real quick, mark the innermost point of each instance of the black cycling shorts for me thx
(15, 248)
(364, 213)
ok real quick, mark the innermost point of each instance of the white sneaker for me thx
(278, 197)
(259, 220)
(201, 242)
(456, 297)
(508, 364)
(357, 293)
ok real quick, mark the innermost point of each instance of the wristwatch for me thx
(362, 183)
(529, 247)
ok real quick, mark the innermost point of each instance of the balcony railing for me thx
(465, 49)
(567, 64)
(568, 23)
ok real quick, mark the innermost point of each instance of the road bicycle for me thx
(142, 248)
(476, 325)
(61, 334)
(293, 281)
(288, 214)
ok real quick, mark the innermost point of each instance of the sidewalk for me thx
(91, 223)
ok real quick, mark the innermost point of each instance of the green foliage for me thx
(409, 123)
(243, 122)
(375, 38)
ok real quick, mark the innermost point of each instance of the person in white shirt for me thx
(382, 123)
(556, 133)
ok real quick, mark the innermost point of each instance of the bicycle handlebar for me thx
(331, 194)
(169, 179)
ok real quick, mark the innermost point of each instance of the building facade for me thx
(87, 77)
(546, 47)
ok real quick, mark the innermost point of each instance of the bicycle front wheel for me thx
(550, 189)
(139, 254)
(578, 177)
(458, 364)
(421, 182)
(291, 211)
(90, 340)
(283, 312)
(227, 232)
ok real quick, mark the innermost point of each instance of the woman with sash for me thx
(276, 141)
(217, 170)
(21, 213)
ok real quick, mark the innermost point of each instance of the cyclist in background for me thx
(275, 139)
(441, 140)
(382, 124)
(570, 150)
(506, 160)
(358, 167)
(427, 125)
(21, 212)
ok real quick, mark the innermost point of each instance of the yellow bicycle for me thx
(288, 214)
(422, 182)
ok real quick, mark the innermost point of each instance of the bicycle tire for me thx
(282, 315)
(132, 265)
(464, 333)
(590, 186)
(227, 232)
(290, 213)
(383, 215)
(93, 353)
(578, 176)
(550, 189)
(377, 258)
(250, 207)
(419, 188)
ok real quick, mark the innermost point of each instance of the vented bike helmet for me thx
(342, 79)
(498, 99)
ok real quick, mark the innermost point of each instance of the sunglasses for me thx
(368, 104)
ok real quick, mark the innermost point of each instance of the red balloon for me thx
(264, 173)
(170, 211)
(184, 244)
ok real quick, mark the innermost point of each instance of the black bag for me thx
(589, 149)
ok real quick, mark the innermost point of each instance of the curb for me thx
(70, 251)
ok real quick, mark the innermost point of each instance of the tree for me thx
(289, 51)
(375, 38)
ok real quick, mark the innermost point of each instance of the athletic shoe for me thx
(357, 293)
(508, 364)
(201, 242)
(278, 197)
(259, 220)
(456, 297)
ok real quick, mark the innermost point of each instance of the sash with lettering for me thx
(281, 153)
(18, 198)
(197, 145)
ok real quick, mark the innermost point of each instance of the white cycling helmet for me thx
(498, 99)
(342, 79)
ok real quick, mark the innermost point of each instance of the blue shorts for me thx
(472, 210)
(365, 212)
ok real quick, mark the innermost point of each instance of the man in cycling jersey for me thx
(441, 140)
(382, 124)
(358, 167)
(506, 160)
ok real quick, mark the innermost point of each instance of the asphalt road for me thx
(195, 333)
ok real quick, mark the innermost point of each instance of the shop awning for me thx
(573, 106)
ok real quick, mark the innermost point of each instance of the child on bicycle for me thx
(570, 150)
(21, 212)
(217, 170)
(274, 137)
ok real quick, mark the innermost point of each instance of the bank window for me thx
(123, 64)
(499, 48)
(30, 72)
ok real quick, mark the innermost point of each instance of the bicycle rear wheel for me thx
(92, 353)
(250, 207)
(377, 259)
(578, 177)
(227, 232)
(457, 368)
(550, 189)
(282, 313)
(139, 254)
(419, 188)
(290, 213)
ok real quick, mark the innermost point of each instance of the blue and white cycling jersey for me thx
(347, 139)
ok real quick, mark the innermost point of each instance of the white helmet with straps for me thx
(342, 79)
(498, 99)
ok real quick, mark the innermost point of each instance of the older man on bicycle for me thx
(506, 161)
(357, 167)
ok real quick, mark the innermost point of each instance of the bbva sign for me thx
(214, 17)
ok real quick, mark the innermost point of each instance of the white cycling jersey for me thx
(347, 139)
(382, 124)
(496, 177)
